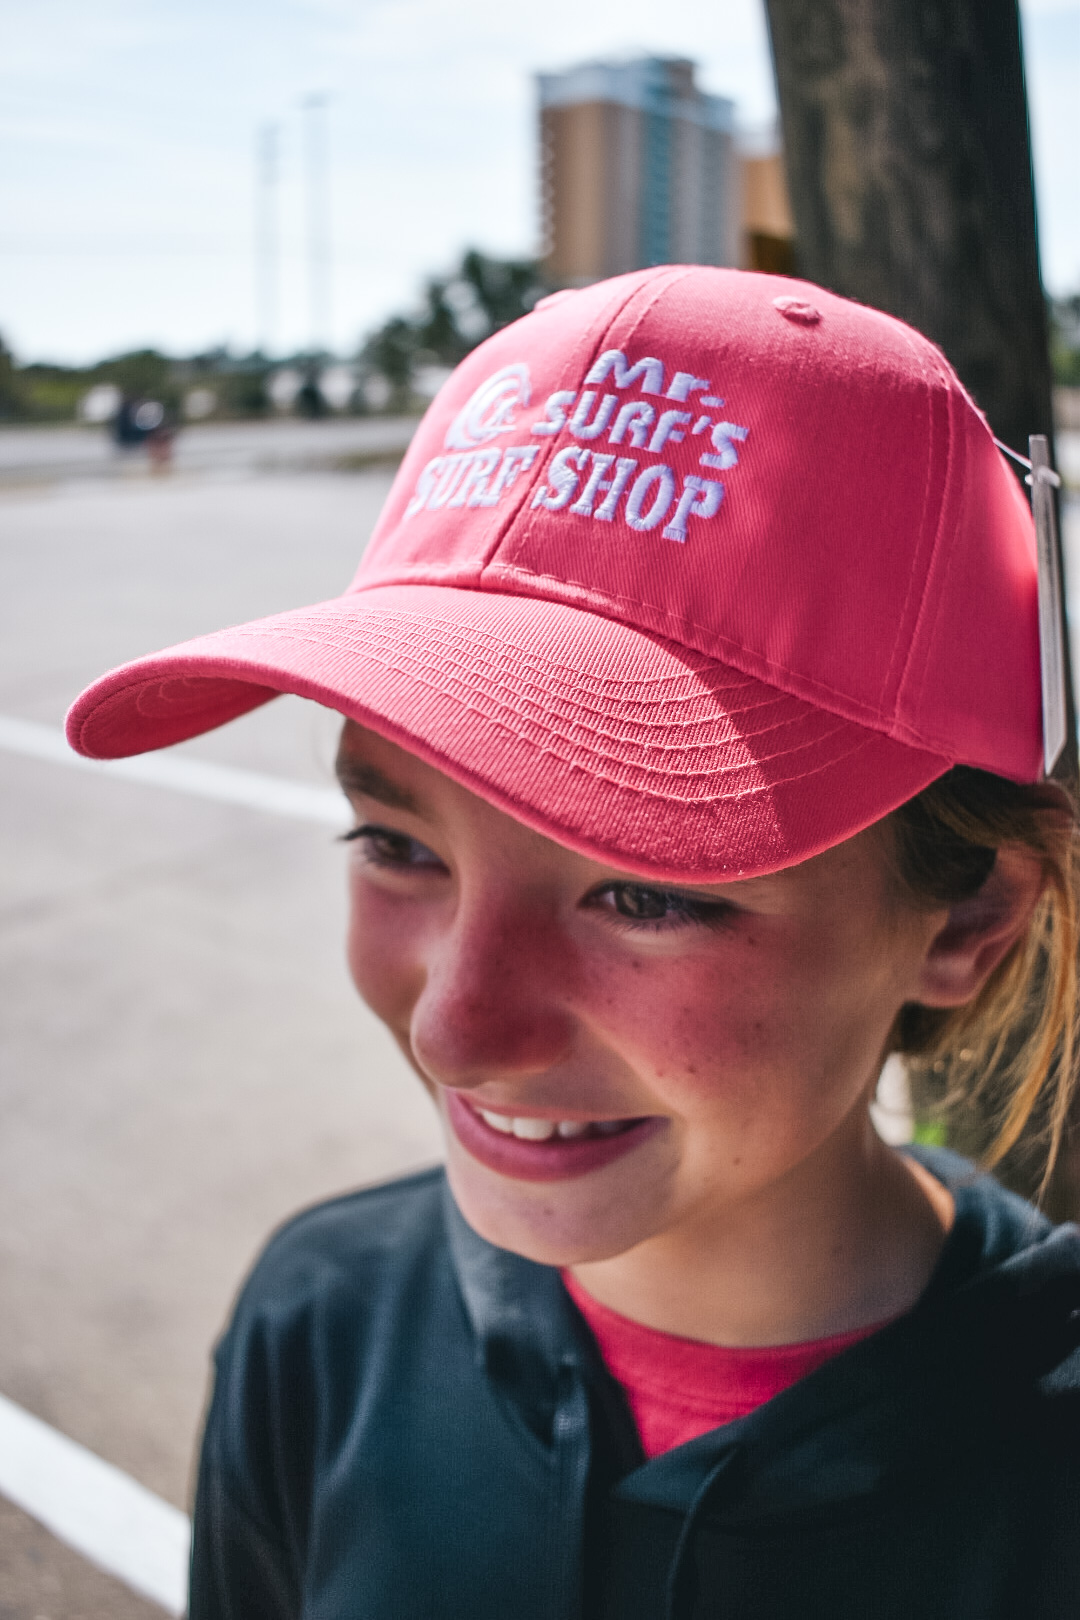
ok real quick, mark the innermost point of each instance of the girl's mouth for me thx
(531, 1149)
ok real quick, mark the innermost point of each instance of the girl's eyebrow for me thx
(357, 777)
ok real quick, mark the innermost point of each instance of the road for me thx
(34, 454)
(183, 1061)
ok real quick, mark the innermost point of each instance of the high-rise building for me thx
(639, 168)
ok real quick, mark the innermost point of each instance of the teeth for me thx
(534, 1130)
(542, 1130)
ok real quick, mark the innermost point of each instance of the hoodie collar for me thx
(1001, 1310)
(524, 1324)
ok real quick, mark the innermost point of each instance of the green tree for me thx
(11, 390)
(458, 311)
(1065, 340)
(392, 353)
(142, 372)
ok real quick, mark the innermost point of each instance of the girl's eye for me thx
(382, 846)
(648, 907)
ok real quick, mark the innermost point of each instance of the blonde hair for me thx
(1001, 1072)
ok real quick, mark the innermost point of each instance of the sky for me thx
(129, 131)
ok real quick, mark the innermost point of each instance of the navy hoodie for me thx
(410, 1424)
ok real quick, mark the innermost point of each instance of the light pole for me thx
(317, 180)
(267, 171)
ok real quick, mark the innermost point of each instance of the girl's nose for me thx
(493, 1004)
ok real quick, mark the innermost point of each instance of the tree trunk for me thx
(909, 167)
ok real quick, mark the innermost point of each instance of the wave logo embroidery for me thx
(490, 410)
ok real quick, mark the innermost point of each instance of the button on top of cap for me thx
(794, 309)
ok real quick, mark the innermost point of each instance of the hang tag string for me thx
(1044, 475)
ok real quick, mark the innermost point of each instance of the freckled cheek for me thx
(385, 955)
(695, 1031)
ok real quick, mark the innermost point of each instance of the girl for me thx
(693, 733)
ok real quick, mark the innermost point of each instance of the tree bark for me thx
(909, 168)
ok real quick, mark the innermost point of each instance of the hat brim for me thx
(612, 742)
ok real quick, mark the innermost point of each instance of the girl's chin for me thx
(546, 1235)
(569, 1221)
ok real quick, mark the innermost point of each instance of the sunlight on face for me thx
(614, 1060)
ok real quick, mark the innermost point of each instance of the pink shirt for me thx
(680, 1388)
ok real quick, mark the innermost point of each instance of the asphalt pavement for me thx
(35, 454)
(183, 1062)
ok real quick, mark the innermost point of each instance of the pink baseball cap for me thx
(696, 571)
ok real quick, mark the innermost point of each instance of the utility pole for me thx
(317, 181)
(267, 174)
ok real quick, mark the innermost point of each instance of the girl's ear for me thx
(978, 933)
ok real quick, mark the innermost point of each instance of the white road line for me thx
(111, 1519)
(271, 794)
(105, 1515)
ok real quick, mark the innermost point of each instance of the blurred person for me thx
(126, 431)
(141, 423)
(693, 732)
(309, 398)
(160, 441)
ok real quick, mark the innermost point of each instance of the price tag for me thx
(1052, 650)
